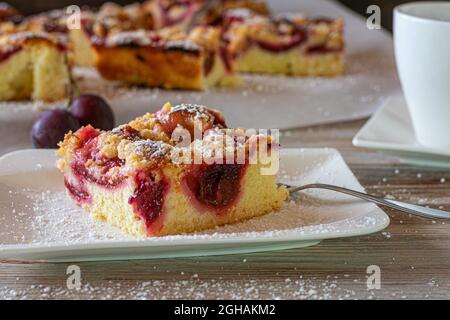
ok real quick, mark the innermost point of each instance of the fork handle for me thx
(395, 204)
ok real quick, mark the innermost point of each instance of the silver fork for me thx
(394, 204)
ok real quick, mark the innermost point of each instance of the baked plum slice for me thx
(215, 186)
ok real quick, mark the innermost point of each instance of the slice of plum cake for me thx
(168, 58)
(288, 44)
(151, 177)
(34, 66)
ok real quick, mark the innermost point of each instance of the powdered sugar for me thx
(152, 149)
(199, 112)
(46, 217)
(192, 287)
(185, 285)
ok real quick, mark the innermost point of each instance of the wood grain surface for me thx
(412, 253)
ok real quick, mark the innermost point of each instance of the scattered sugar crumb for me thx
(386, 234)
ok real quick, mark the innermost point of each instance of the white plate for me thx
(265, 101)
(391, 129)
(38, 220)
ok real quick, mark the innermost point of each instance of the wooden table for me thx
(412, 253)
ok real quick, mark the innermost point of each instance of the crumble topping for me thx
(282, 32)
(152, 149)
(198, 111)
(54, 22)
(15, 39)
(207, 38)
(144, 153)
(113, 18)
(140, 37)
(185, 45)
(144, 143)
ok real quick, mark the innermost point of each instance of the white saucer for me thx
(391, 129)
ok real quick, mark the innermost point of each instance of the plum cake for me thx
(150, 15)
(287, 44)
(110, 19)
(141, 178)
(9, 13)
(168, 58)
(33, 65)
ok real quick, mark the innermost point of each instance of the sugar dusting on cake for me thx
(152, 149)
(140, 37)
(200, 112)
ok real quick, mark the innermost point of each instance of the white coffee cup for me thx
(422, 53)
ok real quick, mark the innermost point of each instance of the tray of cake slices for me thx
(274, 64)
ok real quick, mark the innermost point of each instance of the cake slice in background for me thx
(150, 15)
(81, 41)
(33, 66)
(168, 58)
(288, 44)
(110, 19)
(53, 21)
(136, 177)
